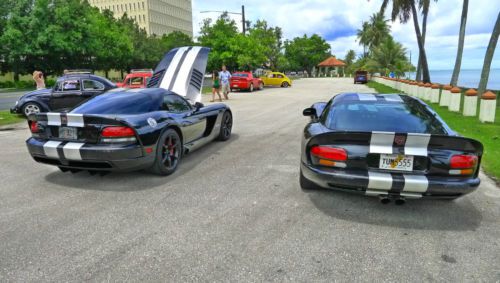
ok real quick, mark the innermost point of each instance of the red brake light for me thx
(115, 132)
(34, 126)
(332, 153)
(462, 161)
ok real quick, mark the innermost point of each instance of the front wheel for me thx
(251, 87)
(261, 86)
(285, 84)
(168, 153)
(226, 126)
(31, 108)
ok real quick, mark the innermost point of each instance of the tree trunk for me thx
(485, 74)
(424, 31)
(425, 66)
(460, 51)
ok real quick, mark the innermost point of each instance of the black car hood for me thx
(38, 92)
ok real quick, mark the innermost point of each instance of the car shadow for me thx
(127, 181)
(421, 214)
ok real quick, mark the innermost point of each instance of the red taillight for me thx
(332, 153)
(34, 126)
(462, 161)
(117, 132)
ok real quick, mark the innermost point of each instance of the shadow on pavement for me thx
(457, 215)
(139, 180)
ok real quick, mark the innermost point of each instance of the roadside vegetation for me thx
(7, 118)
(487, 133)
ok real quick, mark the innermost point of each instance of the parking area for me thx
(234, 211)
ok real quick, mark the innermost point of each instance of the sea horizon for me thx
(468, 78)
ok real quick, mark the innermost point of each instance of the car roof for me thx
(86, 76)
(354, 97)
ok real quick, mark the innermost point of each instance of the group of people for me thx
(220, 81)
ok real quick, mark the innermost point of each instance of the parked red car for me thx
(246, 81)
(136, 79)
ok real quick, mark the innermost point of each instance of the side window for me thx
(136, 81)
(70, 85)
(92, 85)
(175, 104)
(280, 76)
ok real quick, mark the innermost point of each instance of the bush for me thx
(7, 84)
(24, 84)
(50, 82)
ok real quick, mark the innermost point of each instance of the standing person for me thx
(39, 79)
(215, 86)
(224, 76)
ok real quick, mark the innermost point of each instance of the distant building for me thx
(155, 16)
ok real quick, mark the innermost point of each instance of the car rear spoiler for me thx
(75, 120)
(387, 142)
(182, 71)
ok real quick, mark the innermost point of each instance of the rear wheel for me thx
(31, 108)
(305, 184)
(168, 153)
(261, 86)
(285, 84)
(251, 87)
(225, 127)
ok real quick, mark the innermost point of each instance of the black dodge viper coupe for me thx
(124, 130)
(392, 146)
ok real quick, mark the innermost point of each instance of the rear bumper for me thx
(377, 183)
(90, 157)
(239, 85)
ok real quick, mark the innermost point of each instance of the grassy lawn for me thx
(487, 133)
(7, 118)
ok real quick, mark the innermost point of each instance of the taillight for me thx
(118, 134)
(462, 164)
(34, 127)
(328, 156)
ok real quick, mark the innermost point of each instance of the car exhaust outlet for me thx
(384, 199)
(400, 201)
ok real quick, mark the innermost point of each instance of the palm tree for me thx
(424, 5)
(388, 56)
(485, 73)
(404, 9)
(363, 36)
(461, 37)
(378, 30)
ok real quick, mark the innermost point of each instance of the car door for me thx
(66, 94)
(192, 125)
(91, 88)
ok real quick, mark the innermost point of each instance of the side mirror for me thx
(198, 106)
(311, 112)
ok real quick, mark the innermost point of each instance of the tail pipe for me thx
(384, 199)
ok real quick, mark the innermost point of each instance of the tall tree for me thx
(378, 30)
(485, 73)
(424, 6)
(363, 36)
(349, 60)
(404, 9)
(388, 56)
(305, 53)
(460, 50)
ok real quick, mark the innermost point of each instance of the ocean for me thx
(467, 78)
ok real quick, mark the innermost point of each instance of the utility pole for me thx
(243, 19)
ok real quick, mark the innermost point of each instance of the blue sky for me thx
(338, 20)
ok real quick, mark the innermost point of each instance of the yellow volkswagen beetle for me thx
(276, 79)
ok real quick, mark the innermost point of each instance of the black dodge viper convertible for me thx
(392, 146)
(134, 129)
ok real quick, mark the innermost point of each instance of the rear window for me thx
(120, 103)
(368, 116)
(240, 75)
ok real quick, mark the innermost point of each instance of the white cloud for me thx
(337, 21)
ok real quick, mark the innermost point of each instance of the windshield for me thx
(369, 116)
(120, 103)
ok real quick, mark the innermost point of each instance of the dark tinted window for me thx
(120, 103)
(241, 75)
(368, 116)
(92, 85)
(175, 104)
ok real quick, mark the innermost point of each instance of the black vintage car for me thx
(69, 91)
(392, 146)
(134, 129)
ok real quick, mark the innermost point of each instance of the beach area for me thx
(468, 78)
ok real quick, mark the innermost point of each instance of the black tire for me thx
(285, 84)
(307, 185)
(261, 86)
(168, 153)
(250, 89)
(226, 126)
(31, 108)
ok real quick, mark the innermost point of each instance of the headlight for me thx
(17, 102)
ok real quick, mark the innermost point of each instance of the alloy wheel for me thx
(171, 152)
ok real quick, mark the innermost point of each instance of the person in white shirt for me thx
(224, 77)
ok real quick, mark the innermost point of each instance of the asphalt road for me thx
(234, 211)
(8, 99)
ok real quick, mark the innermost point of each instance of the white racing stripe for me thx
(181, 82)
(72, 151)
(366, 97)
(53, 119)
(50, 149)
(75, 120)
(169, 73)
(393, 97)
(415, 184)
(416, 144)
(381, 142)
(379, 181)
